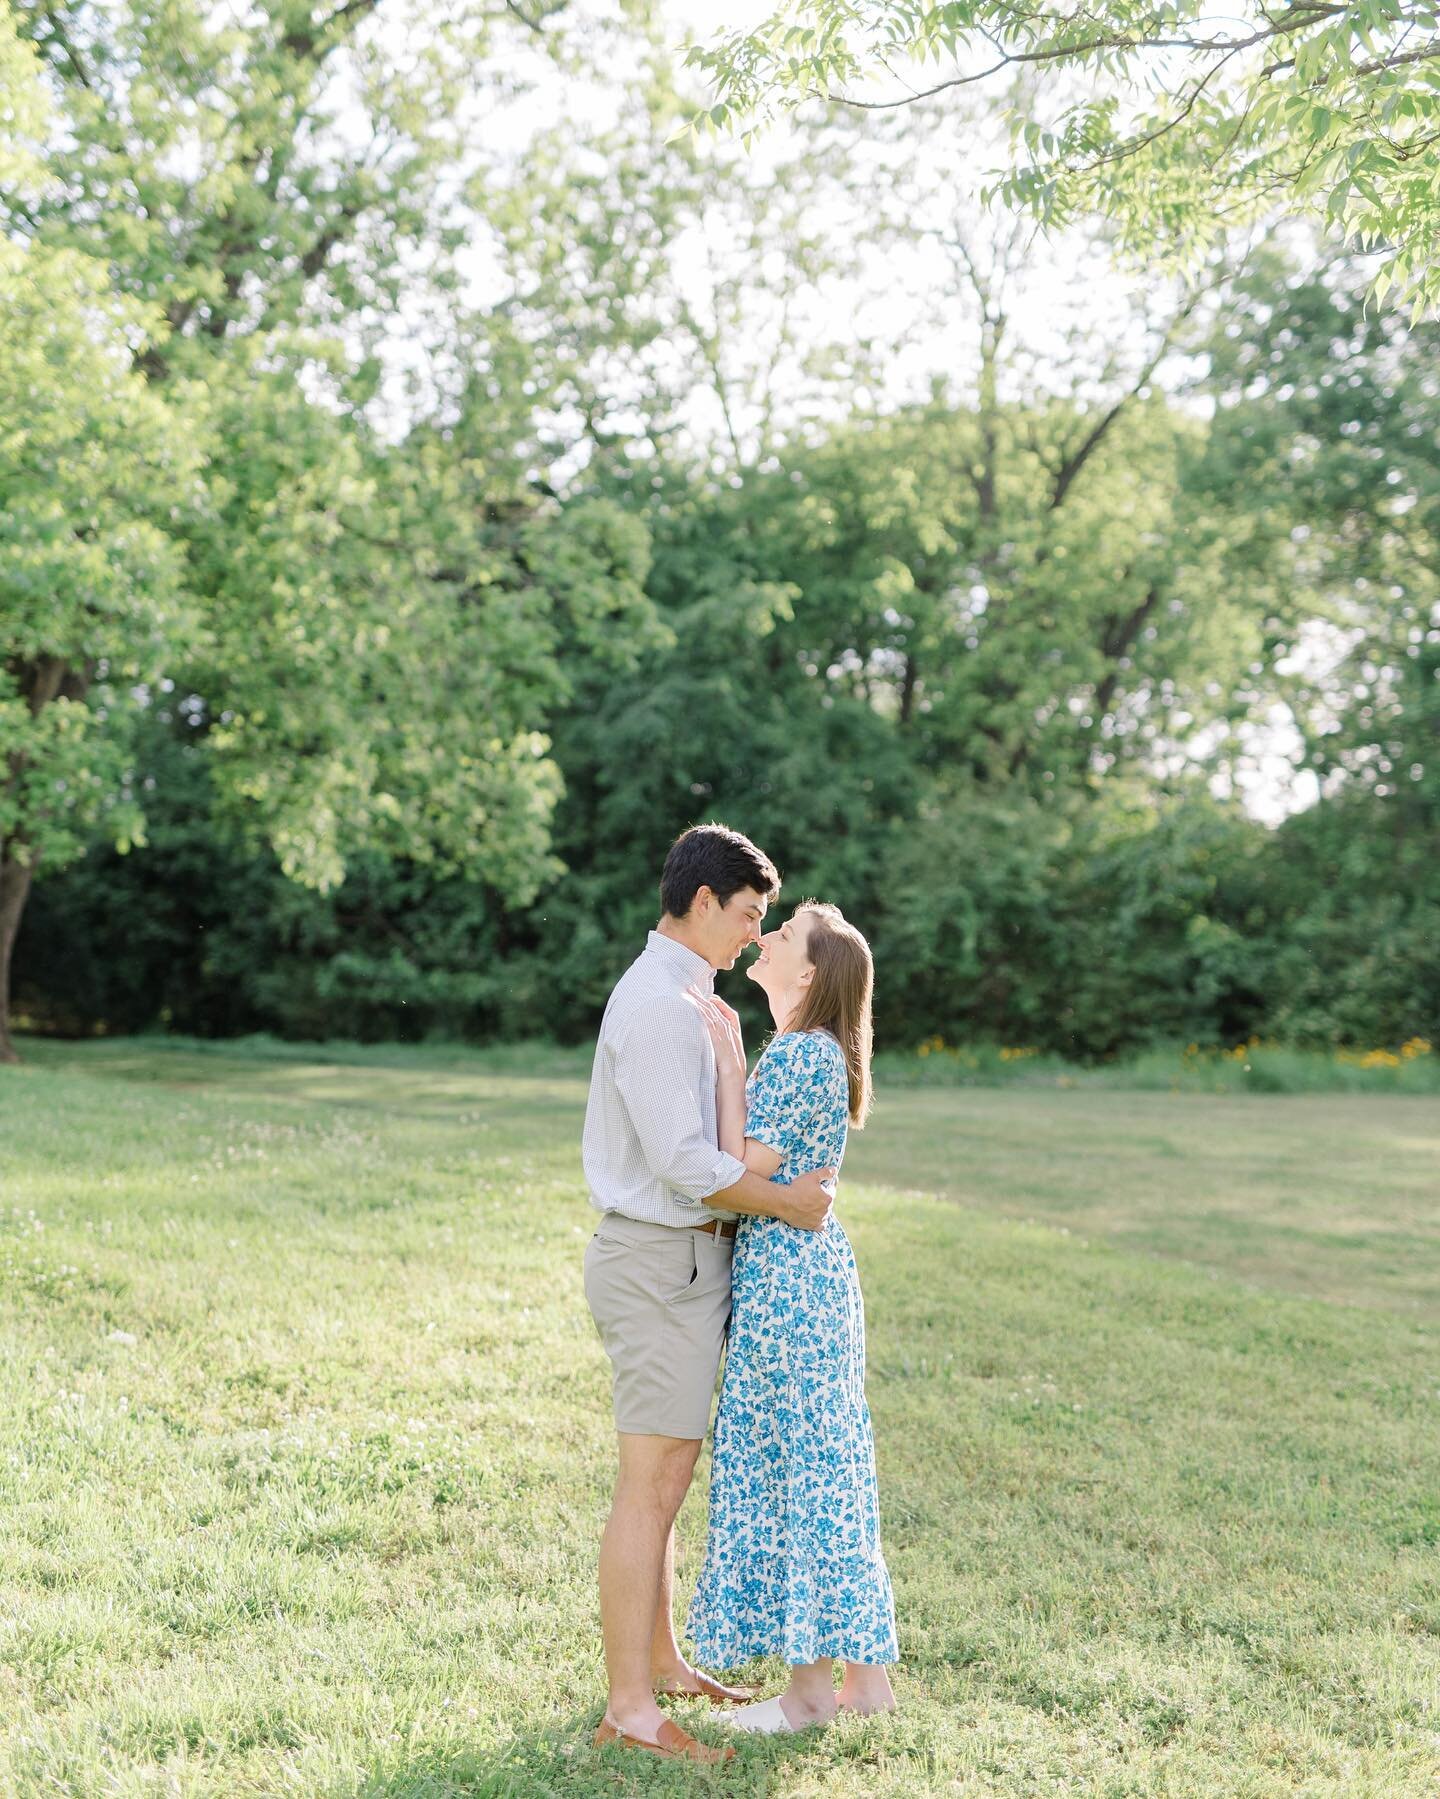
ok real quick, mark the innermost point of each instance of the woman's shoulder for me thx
(815, 1049)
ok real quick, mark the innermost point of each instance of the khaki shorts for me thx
(660, 1296)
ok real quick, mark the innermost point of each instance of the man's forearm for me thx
(753, 1195)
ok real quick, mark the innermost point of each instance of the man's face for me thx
(731, 927)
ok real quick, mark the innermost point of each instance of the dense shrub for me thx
(1078, 928)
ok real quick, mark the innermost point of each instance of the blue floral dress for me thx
(793, 1564)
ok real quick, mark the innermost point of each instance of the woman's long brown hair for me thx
(838, 999)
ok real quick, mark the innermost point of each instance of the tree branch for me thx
(1226, 47)
(72, 55)
(514, 8)
(1119, 637)
(1072, 465)
(315, 39)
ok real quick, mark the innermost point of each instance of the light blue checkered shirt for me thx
(649, 1146)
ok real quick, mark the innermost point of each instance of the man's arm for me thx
(658, 1066)
(809, 1203)
(804, 1203)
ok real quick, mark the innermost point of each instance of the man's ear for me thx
(702, 899)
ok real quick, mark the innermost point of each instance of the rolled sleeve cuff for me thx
(727, 1171)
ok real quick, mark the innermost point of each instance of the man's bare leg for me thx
(635, 1552)
(669, 1670)
(667, 1666)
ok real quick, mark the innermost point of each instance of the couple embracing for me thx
(715, 1195)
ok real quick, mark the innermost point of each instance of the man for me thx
(657, 1271)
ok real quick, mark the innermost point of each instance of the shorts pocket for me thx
(678, 1267)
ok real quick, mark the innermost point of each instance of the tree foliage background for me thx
(406, 534)
(1171, 121)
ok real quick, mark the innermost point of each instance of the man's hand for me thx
(807, 1203)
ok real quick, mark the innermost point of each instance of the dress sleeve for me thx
(792, 1080)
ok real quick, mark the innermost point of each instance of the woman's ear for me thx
(807, 975)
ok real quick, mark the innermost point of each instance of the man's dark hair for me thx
(716, 857)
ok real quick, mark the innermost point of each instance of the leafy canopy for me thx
(1176, 123)
(207, 228)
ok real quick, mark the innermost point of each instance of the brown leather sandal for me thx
(713, 1690)
(672, 1743)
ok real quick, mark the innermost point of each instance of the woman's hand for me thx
(724, 1028)
(723, 1024)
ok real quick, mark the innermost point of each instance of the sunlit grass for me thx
(1331, 1195)
(307, 1446)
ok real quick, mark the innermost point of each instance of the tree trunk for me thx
(39, 683)
(907, 689)
(15, 880)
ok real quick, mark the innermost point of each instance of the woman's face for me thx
(784, 965)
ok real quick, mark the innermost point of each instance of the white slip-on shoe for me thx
(764, 1719)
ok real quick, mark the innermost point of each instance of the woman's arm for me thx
(730, 1117)
(759, 1158)
(724, 1028)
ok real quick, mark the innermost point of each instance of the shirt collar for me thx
(689, 969)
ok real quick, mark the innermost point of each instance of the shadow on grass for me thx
(139, 1057)
(395, 1080)
(561, 1758)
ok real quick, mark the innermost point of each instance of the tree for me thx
(366, 631)
(1174, 124)
(1329, 415)
(673, 295)
(93, 467)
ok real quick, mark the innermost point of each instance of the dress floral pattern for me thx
(793, 1565)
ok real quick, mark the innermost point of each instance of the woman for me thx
(793, 1564)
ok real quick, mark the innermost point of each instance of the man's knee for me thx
(655, 1472)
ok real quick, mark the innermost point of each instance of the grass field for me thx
(306, 1445)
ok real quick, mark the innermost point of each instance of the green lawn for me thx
(306, 1445)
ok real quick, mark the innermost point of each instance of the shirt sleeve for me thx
(791, 1079)
(659, 1065)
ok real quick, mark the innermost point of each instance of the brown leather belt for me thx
(717, 1227)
